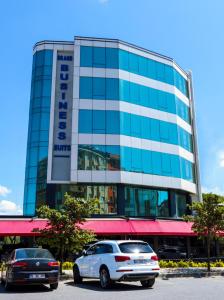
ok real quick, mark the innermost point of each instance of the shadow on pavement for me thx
(94, 285)
(23, 289)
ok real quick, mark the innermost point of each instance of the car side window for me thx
(91, 250)
(103, 249)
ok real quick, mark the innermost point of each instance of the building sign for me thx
(63, 117)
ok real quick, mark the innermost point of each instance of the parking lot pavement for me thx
(172, 289)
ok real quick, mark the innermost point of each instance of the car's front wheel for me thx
(76, 275)
(148, 283)
(105, 280)
(54, 286)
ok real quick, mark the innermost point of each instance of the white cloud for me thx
(215, 190)
(221, 159)
(4, 190)
(8, 207)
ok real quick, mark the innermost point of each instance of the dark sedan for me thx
(30, 266)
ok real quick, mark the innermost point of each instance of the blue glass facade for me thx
(113, 58)
(39, 116)
(118, 89)
(92, 123)
(116, 122)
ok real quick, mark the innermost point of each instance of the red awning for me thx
(24, 227)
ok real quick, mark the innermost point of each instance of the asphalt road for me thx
(172, 289)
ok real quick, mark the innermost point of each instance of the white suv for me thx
(127, 260)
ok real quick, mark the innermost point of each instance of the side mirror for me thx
(84, 253)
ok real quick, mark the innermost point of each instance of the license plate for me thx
(142, 261)
(37, 276)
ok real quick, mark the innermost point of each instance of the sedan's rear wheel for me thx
(76, 275)
(105, 280)
(54, 286)
(7, 285)
(148, 283)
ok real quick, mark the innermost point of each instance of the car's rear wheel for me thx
(54, 286)
(148, 283)
(105, 281)
(76, 275)
(7, 285)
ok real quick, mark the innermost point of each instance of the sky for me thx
(190, 31)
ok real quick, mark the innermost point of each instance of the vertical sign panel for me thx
(63, 117)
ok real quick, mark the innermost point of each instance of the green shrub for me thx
(67, 265)
(189, 264)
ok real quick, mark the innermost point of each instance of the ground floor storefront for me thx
(170, 239)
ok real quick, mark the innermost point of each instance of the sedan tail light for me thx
(20, 264)
(53, 264)
(154, 257)
(119, 258)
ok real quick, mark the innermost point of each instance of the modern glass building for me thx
(112, 121)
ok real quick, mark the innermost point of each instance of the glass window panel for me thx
(134, 93)
(40, 58)
(155, 134)
(160, 71)
(44, 135)
(145, 128)
(86, 88)
(125, 120)
(133, 63)
(32, 172)
(85, 157)
(47, 71)
(99, 122)
(113, 158)
(175, 166)
(181, 205)
(46, 102)
(126, 157)
(123, 60)
(163, 204)
(86, 56)
(124, 90)
(98, 157)
(143, 66)
(166, 164)
(38, 88)
(156, 163)
(147, 162)
(153, 98)
(136, 125)
(99, 57)
(34, 137)
(46, 92)
(112, 58)
(162, 100)
(44, 125)
(112, 122)
(169, 76)
(43, 153)
(151, 69)
(33, 157)
(144, 96)
(112, 89)
(99, 87)
(136, 160)
(85, 121)
(48, 59)
(164, 131)
(35, 121)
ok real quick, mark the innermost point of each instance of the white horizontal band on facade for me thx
(138, 79)
(134, 109)
(133, 142)
(129, 48)
(53, 46)
(114, 177)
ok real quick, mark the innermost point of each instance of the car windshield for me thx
(33, 253)
(136, 247)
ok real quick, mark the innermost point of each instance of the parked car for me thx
(30, 266)
(111, 261)
(170, 252)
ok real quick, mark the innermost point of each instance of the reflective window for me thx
(37, 151)
(181, 205)
(146, 202)
(99, 57)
